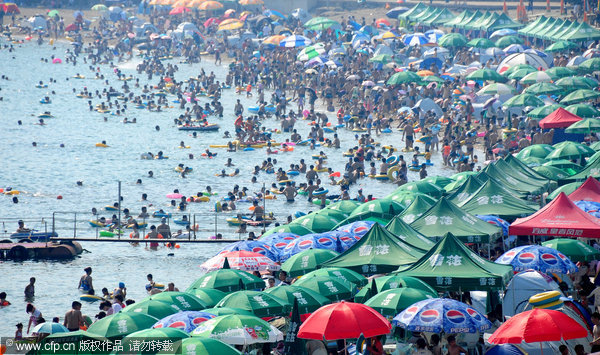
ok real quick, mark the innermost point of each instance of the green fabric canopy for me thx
(592, 168)
(499, 22)
(415, 10)
(316, 222)
(344, 206)
(440, 18)
(451, 266)
(459, 19)
(464, 191)
(393, 281)
(446, 217)
(583, 32)
(418, 206)
(474, 16)
(525, 30)
(383, 209)
(507, 178)
(535, 150)
(378, 251)
(402, 230)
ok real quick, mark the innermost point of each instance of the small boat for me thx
(209, 127)
(34, 236)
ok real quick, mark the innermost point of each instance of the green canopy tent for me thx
(451, 266)
(378, 251)
(540, 28)
(493, 199)
(475, 24)
(557, 35)
(523, 170)
(551, 28)
(464, 191)
(445, 217)
(418, 206)
(583, 32)
(500, 22)
(488, 18)
(458, 19)
(474, 17)
(507, 178)
(426, 11)
(402, 230)
(440, 18)
(525, 30)
(415, 10)
(458, 178)
(426, 15)
(551, 34)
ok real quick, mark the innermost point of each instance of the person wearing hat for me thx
(121, 290)
(164, 229)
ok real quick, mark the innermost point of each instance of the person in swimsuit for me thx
(85, 282)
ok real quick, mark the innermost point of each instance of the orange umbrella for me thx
(210, 5)
(195, 3)
(179, 10)
(229, 13)
(153, 2)
(251, 2)
(274, 40)
(425, 73)
(383, 21)
(230, 24)
(181, 3)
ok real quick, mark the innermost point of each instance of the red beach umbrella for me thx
(344, 320)
(179, 10)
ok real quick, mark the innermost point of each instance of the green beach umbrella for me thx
(507, 41)
(523, 100)
(583, 110)
(394, 281)
(154, 308)
(53, 13)
(308, 300)
(536, 150)
(334, 289)
(227, 280)
(567, 189)
(405, 197)
(99, 7)
(566, 165)
(560, 72)
(183, 300)
(543, 111)
(580, 95)
(289, 228)
(433, 79)
(133, 341)
(311, 52)
(259, 303)
(496, 89)
(544, 89)
(119, 325)
(316, 222)
(80, 341)
(561, 46)
(203, 346)
(391, 302)
(224, 311)
(572, 83)
(341, 273)
(480, 43)
(382, 206)
(551, 172)
(404, 77)
(438, 180)
(485, 74)
(382, 59)
(210, 296)
(595, 146)
(587, 126)
(520, 73)
(575, 249)
(319, 23)
(423, 187)
(533, 161)
(452, 40)
(536, 77)
(307, 261)
(50, 328)
(514, 68)
(344, 206)
(238, 330)
(570, 150)
(592, 64)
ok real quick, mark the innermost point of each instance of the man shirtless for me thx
(73, 318)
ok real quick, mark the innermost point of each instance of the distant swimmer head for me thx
(139, 181)
(34, 144)
(80, 183)
(62, 145)
(19, 123)
(157, 128)
(15, 199)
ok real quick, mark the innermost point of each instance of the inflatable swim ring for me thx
(544, 298)
(293, 173)
(553, 305)
(90, 298)
(320, 192)
(380, 177)
(391, 171)
(393, 160)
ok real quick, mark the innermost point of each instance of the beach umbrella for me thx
(452, 40)
(278, 241)
(583, 110)
(574, 249)
(536, 257)
(574, 83)
(185, 321)
(261, 304)
(538, 325)
(580, 95)
(99, 7)
(494, 52)
(433, 79)
(393, 301)
(238, 330)
(484, 75)
(520, 73)
(382, 23)
(480, 43)
(335, 289)
(340, 273)
(438, 315)
(560, 72)
(308, 300)
(223, 311)
(311, 52)
(536, 77)
(382, 59)
(344, 320)
(241, 260)
(310, 241)
(182, 300)
(11, 8)
(561, 46)
(203, 346)
(256, 246)
(521, 58)
(393, 281)
(586, 126)
(320, 23)
(230, 24)
(523, 100)
(528, 67)
(496, 89)
(543, 88)
(228, 280)
(393, 13)
(570, 150)
(543, 111)
(403, 77)
(209, 296)
(590, 65)
(567, 189)
(180, 10)
(551, 172)
(53, 13)
(344, 206)
(406, 197)
(357, 229)
(251, 2)
(307, 261)
(566, 165)
(535, 150)
(415, 39)
(533, 161)
(503, 32)
(119, 325)
(423, 187)
(507, 41)
(49, 328)
(274, 40)
(515, 48)
(210, 5)
(295, 41)
(296, 229)
(154, 308)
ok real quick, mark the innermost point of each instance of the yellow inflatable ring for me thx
(553, 305)
(544, 298)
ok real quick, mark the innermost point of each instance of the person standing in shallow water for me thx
(30, 289)
(85, 282)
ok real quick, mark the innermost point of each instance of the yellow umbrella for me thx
(153, 2)
(251, 2)
(425, 73)
(388, 35)
(181, 3)
(210, 5)
(195, 3)
(231, 24)
(274, 40)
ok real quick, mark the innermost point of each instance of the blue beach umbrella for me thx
(515, 48)
(505, 349)
(537, 257)
(186, 321)
(416, 39)
(503, 32)
(358, 228)
(438, 315)
(346, 239)
(309, 241)
(50, 328)
(295, 41)
(428, 62)
(257, 246)
(278, 240)
(495, 220)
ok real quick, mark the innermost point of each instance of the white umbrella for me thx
(521, 58)
(536, 77)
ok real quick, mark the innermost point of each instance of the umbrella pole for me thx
(541, 348)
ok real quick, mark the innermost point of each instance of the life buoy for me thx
(544, 298)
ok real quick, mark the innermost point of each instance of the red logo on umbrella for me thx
(549, 259)
(325, 242)
(305, 244)
(455, 316)
(526, 258)
(474, 314)
(410, 311)
(429, 315)
(179, 325)
(199, 320)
